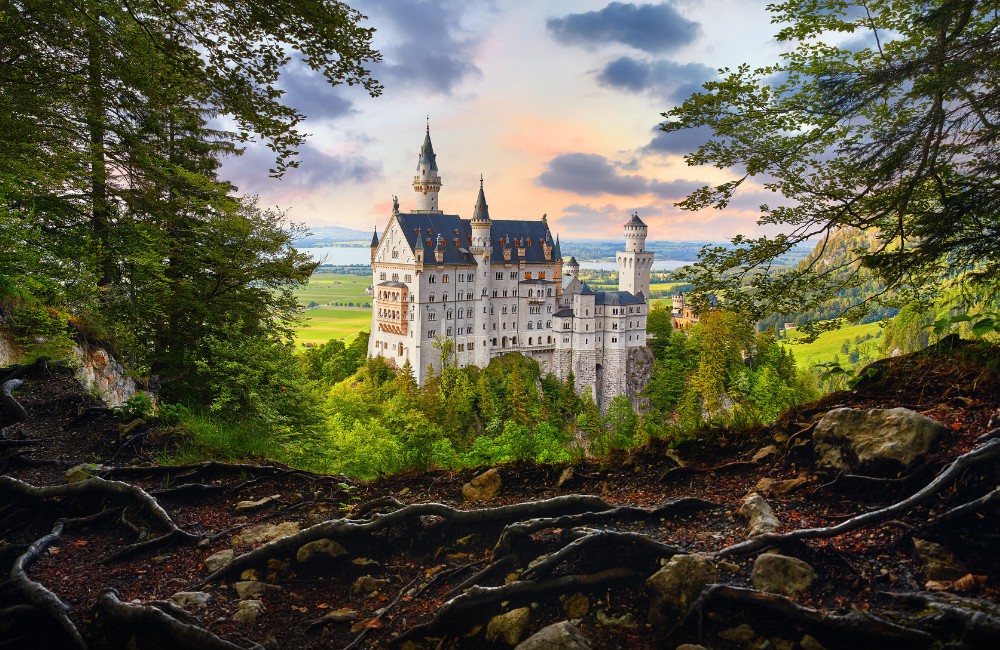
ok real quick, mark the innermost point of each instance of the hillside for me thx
(132, 554)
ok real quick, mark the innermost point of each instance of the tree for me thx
(896, 139)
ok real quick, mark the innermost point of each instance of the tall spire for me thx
(481, 211)
(427, 181)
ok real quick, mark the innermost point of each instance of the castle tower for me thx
(481, 223)
(634, 263)
(374, 243)
(427, 182)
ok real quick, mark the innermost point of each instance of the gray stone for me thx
(558, 636)
(576, 606)
(483, 487)
(82, 472)
(764, 453)
(250, 506)
(216, 561)
(565, 476)
(247, 611)
(876, 441)
(780, 574)
(510, 626)
(742, 633)
(676, 586)
(760, 515)
(326, 547)
(253, 588)
(939, 563)
(778, 487)
(190, 599)
(368, 585)
(263, 533)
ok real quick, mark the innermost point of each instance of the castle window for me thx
(514, 342)
(494, 341)
(461, 347)
(515, 293)
(504, 310)
(448, 332)
(513, 309)
(494, 327)
(548, 324)
(431, 333)
(468, 330)
(491, 309)
(449, 315)
(444, 297)
(461, 313)
(530, 339)
(513, 275)
(407, 278)
(504, 326)
(431, 298)
(529, 293)
(614, 326)
(484, 293)
(565, 339)
(381, 276)
(614, 339)
(529, 325)
(504, 293)
(432, 279)
(527, 275)
(432, 316)
(444, 277)
(549, 309)
(395, 277)
(471, 345)
(566, 325)
(550, 292)
(538, 325)
(395, 254)
(499, 275)
(541, 275)
(495, 292)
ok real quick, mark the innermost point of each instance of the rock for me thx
(939, 563)
(764, 453)
(216, 561)
(676, 586)
(778, 488)
(625, 620)
(325, 547)
(278, 570)
(250, 506)
(760, 515)
(82, 472)
(558, 636)
(256, 535)
(253, 588)
(879, 441)
(190, 599)
(247, 611)
(510, 626)
(366, 585)
(809, 643)
(675, 457)
(124, 430)
(565, 476)
(740, 634)
(333, 617)
(483, 487)
(576, 606)
(365, 561)
(780, 574)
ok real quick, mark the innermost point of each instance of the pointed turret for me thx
(482, 211)
(427, 182)
(481, 223)
(558, 251)
(374, 243)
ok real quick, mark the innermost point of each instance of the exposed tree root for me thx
(7, 401)
(378, 617)
(154, 620)
(854, 624)
(516, 593)
(116, 489)
(964, 510)
(618, 540)
(985, 452)
(36, 594)
(341, 528)
(976, 622)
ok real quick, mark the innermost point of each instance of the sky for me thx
(555, 104)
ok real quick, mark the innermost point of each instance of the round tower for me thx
(572, 268)
(634, 264)
(427, 182)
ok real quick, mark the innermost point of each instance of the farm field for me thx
(828, 344)
(329, 321)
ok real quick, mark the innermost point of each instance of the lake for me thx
(351, 255)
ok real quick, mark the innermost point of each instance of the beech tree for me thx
(881, 116)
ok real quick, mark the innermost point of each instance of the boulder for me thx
(368, 585)
(576, 606)
(190, 599)
(939, 563)
(510, 626)
(760, 515)
(82, 472)
(256, 535)
(249, 589)
(764, 453)
(676, 586)
(878, 441)
(558, 636)
(320, 547)
(247, 611)
(778, 487)
(483, 487)
(780, 574)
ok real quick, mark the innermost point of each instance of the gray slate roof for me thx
(616, 298)
(563, 313)
(433, 223)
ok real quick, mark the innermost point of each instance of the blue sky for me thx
(554, 103)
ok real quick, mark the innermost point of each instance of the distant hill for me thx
(684, 251)
(328, 235)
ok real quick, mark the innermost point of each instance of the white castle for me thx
(492, 286)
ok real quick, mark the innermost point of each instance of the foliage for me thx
(137, 406)
(895, 139)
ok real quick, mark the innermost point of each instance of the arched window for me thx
(538, 325)
(444, 297)
(450, 315)
(432, 297)
(548, 324)
(529, 325)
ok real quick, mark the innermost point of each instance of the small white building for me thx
(495, 286)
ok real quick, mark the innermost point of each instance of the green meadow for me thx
(830, 344)
(333, 318)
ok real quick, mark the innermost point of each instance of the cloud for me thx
(316, 170)
(670, 80)
(677, 142)
(310, 93)
(593, 175)
(426, 49)
(650, 28)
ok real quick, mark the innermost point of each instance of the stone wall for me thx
(101, 374)
(639, 372)
(9, 352)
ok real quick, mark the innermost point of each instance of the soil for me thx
(420, 562)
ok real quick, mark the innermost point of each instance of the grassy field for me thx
(329, 321)
(829, 344)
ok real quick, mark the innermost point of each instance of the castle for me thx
(492, 286)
